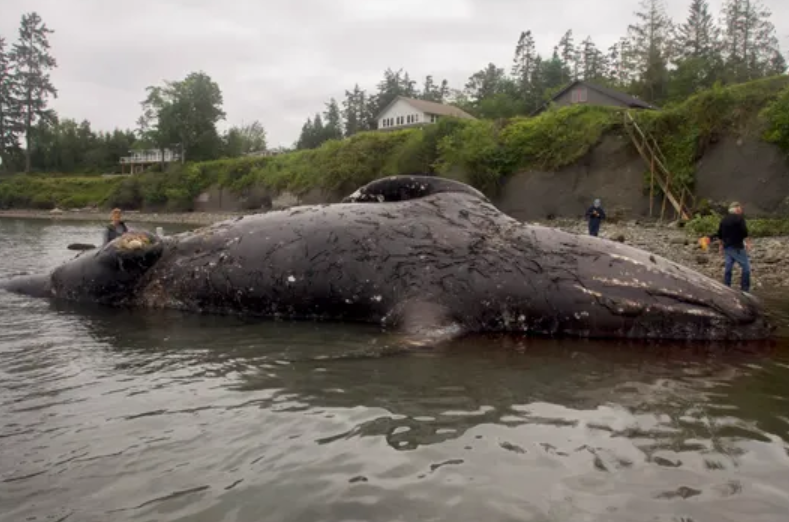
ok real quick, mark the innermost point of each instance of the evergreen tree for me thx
(354, 111)
(524, 65)
(333, 128)
(750, 43)
(594, 64)
(568, 54)
(305, 136)
(552, 75)
(32, 61)
(699, 61)
(698, 36)
(433, 92)
(318, 132)
(651, 48)
(486, 83)
(10, 118)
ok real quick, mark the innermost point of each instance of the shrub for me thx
(685, 130)
(776, 116)
(557, 137)
(757, 227)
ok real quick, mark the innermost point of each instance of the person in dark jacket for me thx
(116, 227)
(595, 214)
(735, 245)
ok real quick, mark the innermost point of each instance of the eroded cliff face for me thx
(612, 171)
(747, 170)
(750, 171)
(743, 169)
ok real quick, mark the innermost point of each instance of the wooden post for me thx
(651, 185)
(682, 205)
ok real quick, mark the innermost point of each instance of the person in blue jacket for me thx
(595, 215)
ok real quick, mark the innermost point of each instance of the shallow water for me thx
(116, 415)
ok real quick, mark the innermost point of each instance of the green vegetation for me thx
(657, 59)
(481, 152)
(760, 227)
(692, 73)
(683, 131)
(38, 192)
(180, 115)
(776, 114)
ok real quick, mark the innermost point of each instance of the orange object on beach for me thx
(704, 242)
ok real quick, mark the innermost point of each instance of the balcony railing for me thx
(151, 158)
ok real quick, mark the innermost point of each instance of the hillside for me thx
(554, 163)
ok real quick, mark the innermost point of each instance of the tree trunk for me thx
(27, 151)
(28, 126)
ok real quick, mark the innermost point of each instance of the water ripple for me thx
(118, 415)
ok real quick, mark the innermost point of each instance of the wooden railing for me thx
(647, 147)
(151, 158)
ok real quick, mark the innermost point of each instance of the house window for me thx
(579, 95)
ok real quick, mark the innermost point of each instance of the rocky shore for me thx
(769, 257)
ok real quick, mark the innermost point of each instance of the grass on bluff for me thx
(482, 153)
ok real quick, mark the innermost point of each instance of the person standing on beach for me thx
(595, 214)
(735, 245)
(116, 227)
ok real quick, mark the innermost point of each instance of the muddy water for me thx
(114, 415)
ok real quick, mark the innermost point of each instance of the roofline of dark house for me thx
(636, 103)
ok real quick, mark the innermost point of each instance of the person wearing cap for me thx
(735, 245)
(595, 214)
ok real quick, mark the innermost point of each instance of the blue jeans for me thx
(594, 226)
(739, 256)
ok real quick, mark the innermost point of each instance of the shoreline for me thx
(769, 256)
(131, 216)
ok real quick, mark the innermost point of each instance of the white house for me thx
(139, 159)
(405, 112)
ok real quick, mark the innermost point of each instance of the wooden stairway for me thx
(647, 147)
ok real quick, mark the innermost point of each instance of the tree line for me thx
(180, 115)
(657, 60)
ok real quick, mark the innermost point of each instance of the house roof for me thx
(429, 107)
(630, 101)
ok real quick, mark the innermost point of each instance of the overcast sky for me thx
(278, 61)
